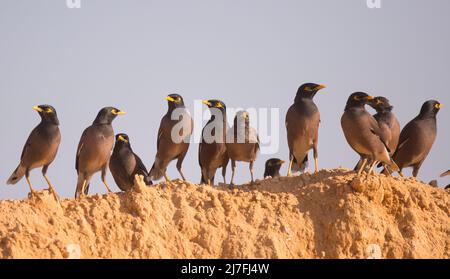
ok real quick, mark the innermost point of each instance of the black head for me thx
(430, 108)
(273, 167)
(215, 104)
(358, 99)
(308, 91)
(47, 113)
(175, 101)
(380, 104)
(122, 140)
(107, 115)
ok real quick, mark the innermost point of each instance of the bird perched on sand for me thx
(212, 152)
(125, 164)
(94, 150)
(388, 123)
(40, 148)
(417, 138)
(242, 143)
(272, 167)
(445, 173)
(363, 134)
(302, 125)
(174, 135)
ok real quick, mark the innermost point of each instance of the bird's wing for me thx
(80, 147)
(375, 129)
(140, 167)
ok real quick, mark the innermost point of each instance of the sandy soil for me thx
(312, 216)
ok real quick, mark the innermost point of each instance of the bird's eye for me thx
(49, 110)
(114, 111)
(356, 98)
(307, 88)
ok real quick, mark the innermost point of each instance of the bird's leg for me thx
(233, 171)
(32, 191)
(82, 195)
(372, 167)
(401, 174)
(104, 180)
(50, 186)
(181, 173)
(209, 182)
(166, 177)
(316, 160)
(251, 172)
(179, 164)
(290, 165)
(363, 165)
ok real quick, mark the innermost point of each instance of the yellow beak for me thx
(439, 106)
(121, 138)
(369, 98)
(320, 87)
(38, 109)
(170, 99)
(118, 112)
(282, 162)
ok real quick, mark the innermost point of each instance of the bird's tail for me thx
(296, 167)
(203, 180)
(156, 172)
(17, 175)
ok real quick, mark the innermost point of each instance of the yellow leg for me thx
(372, 167)
(209, 182)
(82, 195)
(363, 165)
(32, 191)
(107, 187)
(166, 178)
(401, 174)
(316, 165)
(290, 166)
(51, 188)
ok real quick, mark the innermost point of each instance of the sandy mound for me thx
(312, 216)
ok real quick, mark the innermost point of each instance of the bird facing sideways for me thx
(445, 173)
(174, 136)
(302, 125)
(388, 123)
(212, 152)
(417, 138)
(363, 134)
(242, 143)
(94, 150)
(272, 168)
(125, 164)
(40, 149)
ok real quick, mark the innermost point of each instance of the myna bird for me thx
(174, 135)
(272, 167)
(40, 149)
(363, 134)
(417, 138)
(212, 152)
(445, 173)
(302, 125)
(94, 150)
(242, 143)
(388, 123)
(125, 164)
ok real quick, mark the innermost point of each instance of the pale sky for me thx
(252, 53)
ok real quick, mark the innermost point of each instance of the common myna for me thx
(174, 135)
(94, 150)
(40, 149)
(125, 164)
(445, 173)
(212, 152)
(302, 125)
(272, 167)
(417, 138)
(363, 134)
(242, 143)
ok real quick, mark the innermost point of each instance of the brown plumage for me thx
(125, 164)
(363, 134)
(242, 143)
(302, 125)
(417, 138)
(40, 148)
(212, 152)
(172, 145)
(94, 150)
(445, 173)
